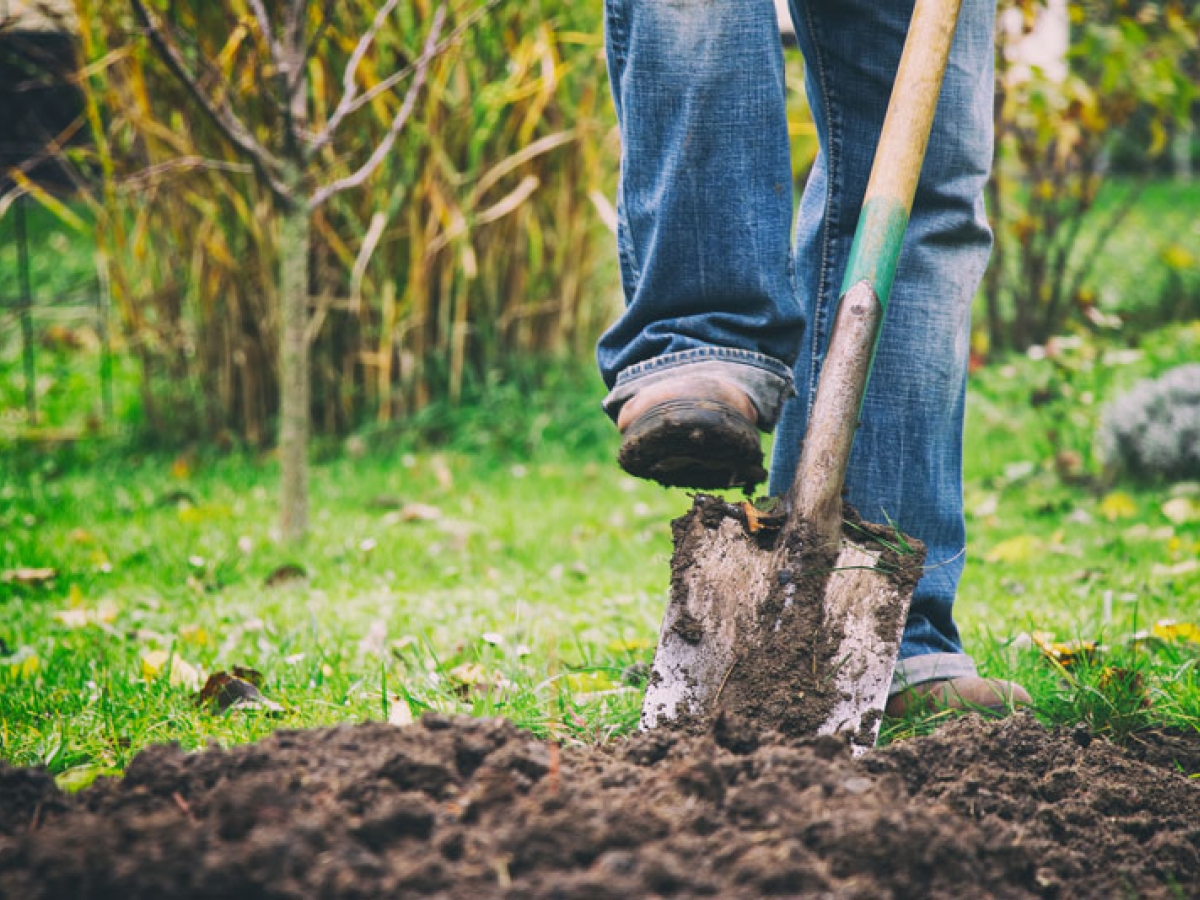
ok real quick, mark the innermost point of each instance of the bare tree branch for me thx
(350, 78)
(295, 54)
(391, 81)
(385, 146)
(148, 175)
(264, 25)
(222, 116)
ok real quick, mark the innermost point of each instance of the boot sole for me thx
(700, 444)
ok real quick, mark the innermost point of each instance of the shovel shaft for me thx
(815, 494)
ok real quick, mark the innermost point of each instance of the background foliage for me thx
(481, 246)
(474, 245)
(1054, 198)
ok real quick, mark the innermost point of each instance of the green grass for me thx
(533, 585)
(1149, 269)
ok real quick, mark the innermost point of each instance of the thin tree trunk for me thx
(294, 400)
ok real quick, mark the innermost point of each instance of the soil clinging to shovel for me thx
(467, 808)
(763, 629)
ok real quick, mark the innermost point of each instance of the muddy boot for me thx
(694, 432)
(989, 695)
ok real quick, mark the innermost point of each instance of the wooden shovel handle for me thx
(815, 494)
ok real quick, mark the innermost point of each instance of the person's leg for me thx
(906, 466)
(704, 206)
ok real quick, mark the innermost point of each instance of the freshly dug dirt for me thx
(463, 808)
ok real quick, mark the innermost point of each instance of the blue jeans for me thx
(713, 278)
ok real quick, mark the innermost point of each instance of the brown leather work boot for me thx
(990, 695)
(693, 431)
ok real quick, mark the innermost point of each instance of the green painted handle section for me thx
(876, 246)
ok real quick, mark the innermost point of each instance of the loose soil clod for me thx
(465, 808)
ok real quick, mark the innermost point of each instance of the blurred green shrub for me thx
(1131, 67)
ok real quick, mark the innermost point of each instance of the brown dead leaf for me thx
(253, 676)
(760, 520)
(420, 512)
(285, 574)
(177, 498)
(224, 692)
(29, 577)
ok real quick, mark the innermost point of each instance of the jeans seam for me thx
(619, 42)
(830, 219)
(618, 37)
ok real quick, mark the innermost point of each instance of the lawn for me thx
(494, 561)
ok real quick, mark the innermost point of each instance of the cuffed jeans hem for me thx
(765, 380)
(930, 667)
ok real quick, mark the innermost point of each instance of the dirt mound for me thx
(464, 808)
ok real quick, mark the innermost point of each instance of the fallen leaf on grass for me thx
(1065, 653)
(1181, 510)
(253, 676)
(285, 575)
(1170, 630)
(1017, 549)
(176, 498)
(399, 712)
(1117, 505)
(183, 673)
(984, 506)
(30, 577)
(1183, 568)
(195, 514)
(1143, 532)
(225, 693)
(25, 663)
(1017, 471)
(590, 682)
(420, 512)
(196, 635)
(473, 680)
(78, 617)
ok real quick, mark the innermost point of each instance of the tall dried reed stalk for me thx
(478, 243)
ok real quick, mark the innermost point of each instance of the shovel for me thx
(790, 619)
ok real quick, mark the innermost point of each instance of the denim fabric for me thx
(704, 216)
(704, 207)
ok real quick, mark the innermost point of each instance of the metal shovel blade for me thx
(768, 631)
